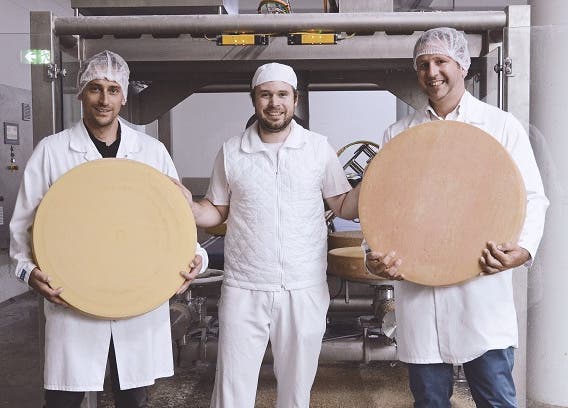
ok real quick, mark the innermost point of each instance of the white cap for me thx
(274, 72)
(444, 41)
(104, 65)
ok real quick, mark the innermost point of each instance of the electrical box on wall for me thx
(16, 144)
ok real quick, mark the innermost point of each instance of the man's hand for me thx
(384, 265)
(498, 258)
(39, 281)
(194, 268)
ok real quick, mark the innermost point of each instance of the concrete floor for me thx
(341, 385)
(20, 377)
(378, 384)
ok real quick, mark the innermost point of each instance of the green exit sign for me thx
(35, 57)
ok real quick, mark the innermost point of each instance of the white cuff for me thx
(204, 258)
(24, 270)
(365, 248)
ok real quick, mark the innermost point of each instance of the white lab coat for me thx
(76, 346)
(459, 323)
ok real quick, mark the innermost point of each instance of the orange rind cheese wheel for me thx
(436, 194)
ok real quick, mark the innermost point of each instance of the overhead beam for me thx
(172, 25)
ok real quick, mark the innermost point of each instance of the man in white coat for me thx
(473, 323)
(269, 184)
(139, 349)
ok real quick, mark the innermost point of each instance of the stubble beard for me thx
(272, 127)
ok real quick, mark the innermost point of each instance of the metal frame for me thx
(171, 54)
(169, 25)
(46, 93)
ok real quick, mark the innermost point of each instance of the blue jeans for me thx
(489, 377)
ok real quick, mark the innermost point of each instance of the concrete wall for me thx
(14, 36)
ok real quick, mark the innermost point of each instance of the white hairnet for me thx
(104, 65)
(444, 41)
(274, 72)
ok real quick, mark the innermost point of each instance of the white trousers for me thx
(294, 321)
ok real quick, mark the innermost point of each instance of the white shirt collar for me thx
(453, 115)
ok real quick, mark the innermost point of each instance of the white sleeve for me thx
(334, 180)
(518, 144)
(35, 183)
(218, 192)
(169, 168)
(387, 136)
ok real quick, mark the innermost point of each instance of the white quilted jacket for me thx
(276, 233)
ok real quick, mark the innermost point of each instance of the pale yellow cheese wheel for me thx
(115, 234)
(436, 194)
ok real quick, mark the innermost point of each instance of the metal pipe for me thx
(342, 350)
(379, 352)
(172, 25)
(356, 304)
(331, 351)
